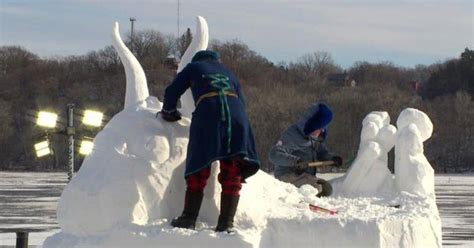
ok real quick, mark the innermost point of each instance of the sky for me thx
(405, 32)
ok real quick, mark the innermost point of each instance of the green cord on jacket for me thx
(220, 83)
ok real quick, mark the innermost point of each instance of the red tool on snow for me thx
(315, 208)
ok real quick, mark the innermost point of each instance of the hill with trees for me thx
(276, 94)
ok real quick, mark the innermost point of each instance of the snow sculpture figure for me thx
(120, 182)
(413, 172)
(377, 138)
(381, 179)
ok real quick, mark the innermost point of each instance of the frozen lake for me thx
(28, 200)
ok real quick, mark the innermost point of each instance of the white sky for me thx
(404, 32)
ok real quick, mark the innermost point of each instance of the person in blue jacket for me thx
(302, 143)
(220, 130)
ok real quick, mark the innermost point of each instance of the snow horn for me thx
(136, 85)
(198, 43)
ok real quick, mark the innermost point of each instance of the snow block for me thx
(276, 214)
(389, 232)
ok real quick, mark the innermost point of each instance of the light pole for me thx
(70, 132)
(49, 120)
(132, 20)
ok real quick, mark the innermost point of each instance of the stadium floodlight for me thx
(86, 147)
(54, 124)
(92, 118)
(47, 119)
(42, 148)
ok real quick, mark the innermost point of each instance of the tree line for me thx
(277, 95)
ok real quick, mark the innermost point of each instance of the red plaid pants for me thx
(229, 177)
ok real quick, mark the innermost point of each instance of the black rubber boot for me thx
(192, 204)
(229, 205)
(326, 188)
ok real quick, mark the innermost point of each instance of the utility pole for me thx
(178, 21)
(132, 20)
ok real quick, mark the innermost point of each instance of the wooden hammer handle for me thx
(321, 163)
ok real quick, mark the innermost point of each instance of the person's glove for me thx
(337, 161)
(300, 167)
(171, 116)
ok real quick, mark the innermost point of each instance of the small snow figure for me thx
(302, 143)
(369, 172)
(220, 130)
(413, 172)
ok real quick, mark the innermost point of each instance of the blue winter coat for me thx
(295, 146)
(220, 128)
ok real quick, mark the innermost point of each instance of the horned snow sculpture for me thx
(120, 183)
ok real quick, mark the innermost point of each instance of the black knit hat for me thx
(205, 55)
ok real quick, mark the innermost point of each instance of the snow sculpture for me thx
(132, 184)
(413, 172)
(369, 173)
(137, 165)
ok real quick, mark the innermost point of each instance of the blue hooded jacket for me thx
(296, 144)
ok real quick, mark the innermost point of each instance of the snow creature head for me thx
(419, 119)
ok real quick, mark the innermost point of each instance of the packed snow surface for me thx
(20, 196)
(132, 184)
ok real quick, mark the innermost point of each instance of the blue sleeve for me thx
(282, 155)
(323, 152)
(282, 152)
(177, 88)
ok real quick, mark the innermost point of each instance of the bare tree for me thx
(184, 41)
(314, 66)
(150, 43)
(14, 57)
(6, 125)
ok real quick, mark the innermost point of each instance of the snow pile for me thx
(132, 185)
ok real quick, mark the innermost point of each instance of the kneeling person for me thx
(301, 144)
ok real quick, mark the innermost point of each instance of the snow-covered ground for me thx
(455, 200)
(30, 199)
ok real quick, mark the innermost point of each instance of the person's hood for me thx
(310, 115)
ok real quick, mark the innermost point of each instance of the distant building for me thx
(416, 86)
(341, 79)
